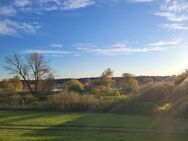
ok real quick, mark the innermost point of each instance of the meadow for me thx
(47, 125)
(105, 108)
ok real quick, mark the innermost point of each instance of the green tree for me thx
(128, 83)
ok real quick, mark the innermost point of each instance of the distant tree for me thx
(34, 67)
(88, 85)
(15, 65)
(39, 68)
(48, 84)
(74, 85)
(128, 83)
(17, 83)
(7, 85)
(12, 85)
(105, 79)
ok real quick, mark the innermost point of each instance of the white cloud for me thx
(176, 13)
(56, 45)
(58, 2)
(140, 1)
(75, 4)
(175, 26)
(11, 28)
(22, 3)
(7, 11)
(46, 51)
(39, 6)
(18, 7)
(111, 50)
(166, 43)
(176, 6)
(54, 53)
(173, 16)
(173, 10)
(117, 49)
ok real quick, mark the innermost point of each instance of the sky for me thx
(82, 38)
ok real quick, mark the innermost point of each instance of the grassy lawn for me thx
(37, 125)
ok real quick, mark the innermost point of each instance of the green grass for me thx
(37, 125)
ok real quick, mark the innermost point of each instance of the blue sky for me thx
(84, 37)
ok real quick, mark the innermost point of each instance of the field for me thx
(41, 125)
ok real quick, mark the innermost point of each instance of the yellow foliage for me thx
(164, 107)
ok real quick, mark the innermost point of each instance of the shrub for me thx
(47, 85)
(108, 93)
(74, 85)
(63, 101)
(12, 85)
(28, 99)
(14, 100)
(147, 101)
(75, 102)
(155, 93)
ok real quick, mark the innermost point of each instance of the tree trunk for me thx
(29, 86)
(36, 86)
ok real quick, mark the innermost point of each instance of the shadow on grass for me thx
(14, 118)
(92, 127)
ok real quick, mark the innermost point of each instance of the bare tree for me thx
(39, 68)
(16, 66)
(35, 67)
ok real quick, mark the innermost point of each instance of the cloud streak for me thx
(22, 3)
(166, 43)
(7, 11)
(140, 1)
(50, 52)
(46, 51)
(175, 26)
(15, 8)
(75, 4)
(56, 45)
(111, 50)
(175, 12)
(122, 49)
(11, 28)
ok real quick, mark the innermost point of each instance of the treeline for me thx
(33, 87)
(142, 80)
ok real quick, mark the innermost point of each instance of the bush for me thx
(28, 99)
(136, 107)
(75, 102)
(14, 100)
(74, 85)
(72, 102)
(63, 101)
(108, 93)
(179, 107)
(155, 93)
(147, 101)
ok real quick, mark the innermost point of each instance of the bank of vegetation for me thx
(34, 87)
